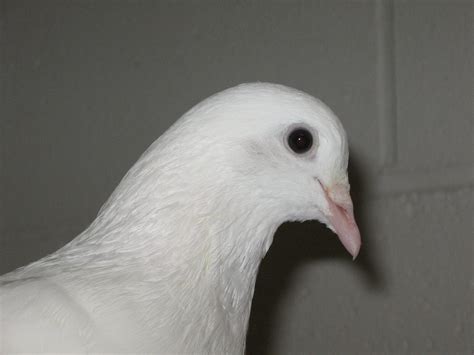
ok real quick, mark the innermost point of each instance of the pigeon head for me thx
(280, 148)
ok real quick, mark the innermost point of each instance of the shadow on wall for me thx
(298, 243)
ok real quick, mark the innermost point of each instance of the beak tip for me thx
(355, 253)
(353, 247)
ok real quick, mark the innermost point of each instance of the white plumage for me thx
(169, 265)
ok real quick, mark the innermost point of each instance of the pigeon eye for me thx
(300, 140)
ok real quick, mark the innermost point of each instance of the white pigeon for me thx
(169, 264)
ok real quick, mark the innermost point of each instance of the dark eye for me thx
(300, 140)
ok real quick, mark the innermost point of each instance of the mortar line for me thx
(386, 83)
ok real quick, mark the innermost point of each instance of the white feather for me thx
(169, 265)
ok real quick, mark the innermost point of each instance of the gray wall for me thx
(88, 85)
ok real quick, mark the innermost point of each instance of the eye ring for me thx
(300, 140)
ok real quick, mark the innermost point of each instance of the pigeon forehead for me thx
(264, 106)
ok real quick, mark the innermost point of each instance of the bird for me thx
(169, 265)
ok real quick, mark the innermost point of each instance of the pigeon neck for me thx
(198, 266)
(233, 259)
(193, 248)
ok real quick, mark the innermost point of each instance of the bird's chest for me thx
(198, 319)
(210, 321)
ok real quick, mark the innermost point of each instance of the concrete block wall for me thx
(86, 86)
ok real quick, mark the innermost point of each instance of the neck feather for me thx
(197, 263)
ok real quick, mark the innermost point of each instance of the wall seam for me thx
(2, 112)
(386, 99)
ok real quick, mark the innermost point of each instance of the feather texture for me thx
(169, 264)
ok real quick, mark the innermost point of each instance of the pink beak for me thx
(341, 218)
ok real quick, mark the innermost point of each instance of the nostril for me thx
(341, 196)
